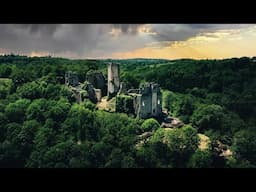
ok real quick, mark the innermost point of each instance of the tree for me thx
(13, 130)
(9, 156)
(99, 153)
(16, 111)
(201, 159)
(208, 117)
(58, 155)
(182, 143)
(20, 77)
(115, 159)
(128, 162)
(124, 104)
(89, 105)
(186, 106)
(38, 110)
(79, 122)
(150, 125)
(3, 129)
(59, 110)
(244, 145)
(5, 71)
(44, 139)
(26, 137)
(146, 157)
(198, 92)
(31, 90)
(3, 92)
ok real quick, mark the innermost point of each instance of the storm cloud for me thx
(182, 32)
(94, 40)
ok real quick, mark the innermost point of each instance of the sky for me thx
(122, 41)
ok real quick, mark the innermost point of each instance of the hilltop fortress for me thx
(144, 102)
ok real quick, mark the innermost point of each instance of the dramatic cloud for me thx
(81, 39)
(128, 28)
(181, 32)
(106, 40)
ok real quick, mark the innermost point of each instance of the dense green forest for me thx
(41, 125)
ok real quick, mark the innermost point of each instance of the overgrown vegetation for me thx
(42, 126)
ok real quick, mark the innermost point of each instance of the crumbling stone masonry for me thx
(97, 79)
(71, 79)
(147, 101)
(113, 80)
(144, 102)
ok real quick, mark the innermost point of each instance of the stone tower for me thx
(113, 80)
(148, 102)
(71, 78)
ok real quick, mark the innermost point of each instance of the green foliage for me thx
(44, 138)
(150, 125)
(15, 112)
(89, 105)
(5, 71)
(182, 144)
(201, 159)
(59, 110)
(79, 122)
(239, 163)
(31, 90)
(186, 106)
(13, 130)
(124, 104)
(41, 126)
(3, 122)
(207, 117)
(9, 156)
(197, 92)
(244, 145)
(20, 77)
(5, 87)
(38, 110)
(169, 98)
(25, 138)
(168, 148)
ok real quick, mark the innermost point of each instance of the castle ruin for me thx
(83, 91)
(144, 102)
(147, 100)
(113, 80)
(71, 79)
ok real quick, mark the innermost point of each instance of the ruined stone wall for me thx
(98, 81)
(113, 79)
(71, 78)
(122, 89)
(98, 94)
(159, 102)
(146, 106)
(148, 103)
(156, 100)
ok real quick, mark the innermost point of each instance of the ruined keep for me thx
(113, 80)
(144, 102)
(98, 94)
(97, 79)
(147, 101)
(122, 89)
(71, 79)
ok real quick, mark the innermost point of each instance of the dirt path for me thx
(204, 141)
(103, 104)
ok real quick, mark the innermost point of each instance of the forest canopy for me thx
(41, 125)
